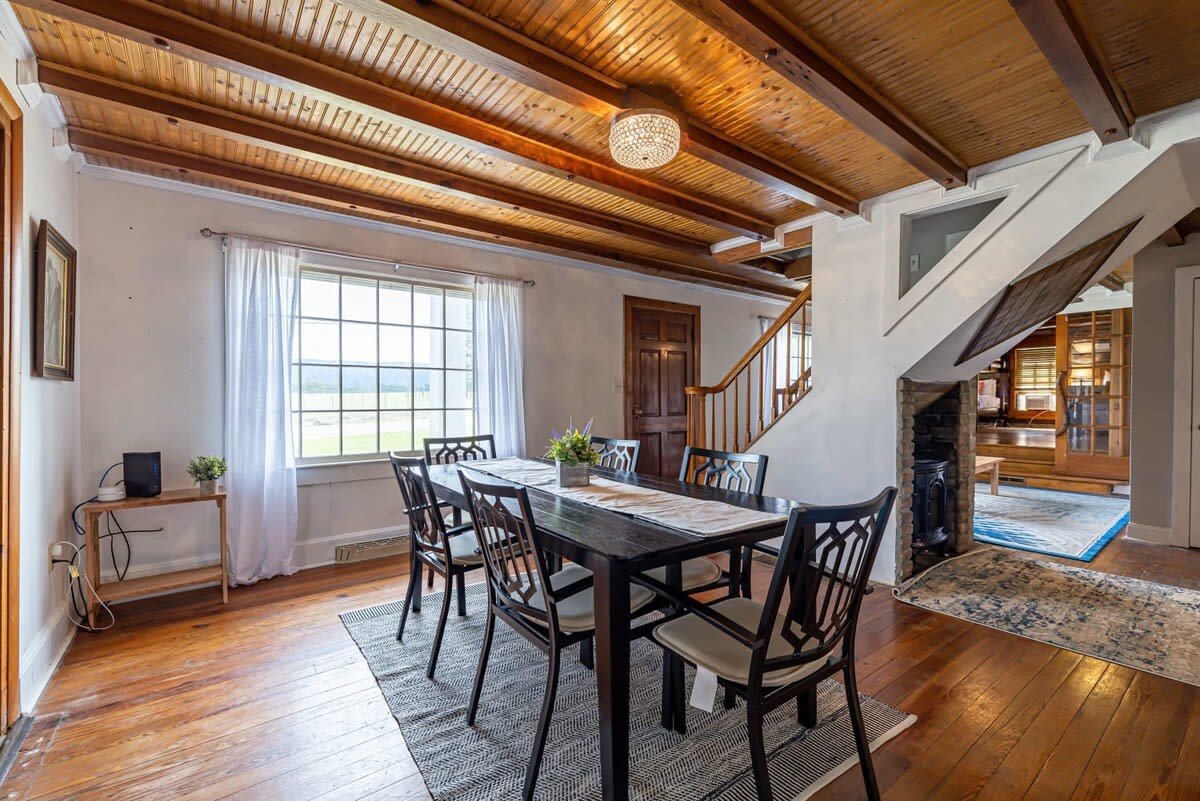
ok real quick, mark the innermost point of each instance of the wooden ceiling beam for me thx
(1063, 40)
(792, 240)
(94, 142)
(1173, 237)
(803, 63)
(468, 34)
(70, 83)
(155, 26)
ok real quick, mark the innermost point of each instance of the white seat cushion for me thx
(696, 573)
(464, 549)
(577, 612)
(703, 644)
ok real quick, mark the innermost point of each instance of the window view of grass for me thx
(379, 365)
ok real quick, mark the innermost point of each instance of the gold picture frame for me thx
(53, 305)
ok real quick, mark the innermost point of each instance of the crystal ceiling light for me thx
(644, 138)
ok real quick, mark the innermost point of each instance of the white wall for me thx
(50, 448)
(152, 358)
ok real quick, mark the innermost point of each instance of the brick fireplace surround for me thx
(936, 420)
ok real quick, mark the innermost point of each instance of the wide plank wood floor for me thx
(268, 698)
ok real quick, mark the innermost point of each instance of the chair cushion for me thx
(696, 573)
(576, 612)
(464, 549)
(703, 644)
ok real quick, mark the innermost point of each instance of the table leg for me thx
(611, 589)
(996, 478)
(675, 716)
(224, 553)
(806, 708)
(92, 540)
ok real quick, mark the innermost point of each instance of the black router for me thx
(143, 474)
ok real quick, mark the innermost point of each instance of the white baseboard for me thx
(40, 660)
(1141, 531)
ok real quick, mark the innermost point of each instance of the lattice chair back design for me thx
(740, 472)
(618, 454)
(803, 632)
(450, 450)
(448, 552)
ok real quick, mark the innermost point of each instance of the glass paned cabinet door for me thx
(1094, 379)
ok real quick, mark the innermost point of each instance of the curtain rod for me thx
(208, 233)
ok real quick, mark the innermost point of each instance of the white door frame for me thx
(1181, 450)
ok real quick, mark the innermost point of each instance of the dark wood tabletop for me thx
(574, 526)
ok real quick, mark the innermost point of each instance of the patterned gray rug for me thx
(487, 763)
(1135, 623)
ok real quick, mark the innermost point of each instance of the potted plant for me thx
(574, 455)
(206, 470)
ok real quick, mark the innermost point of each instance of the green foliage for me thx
(207, 468)
(573, 446)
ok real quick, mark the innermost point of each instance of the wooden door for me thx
(12, 219)
(1094, 378)
(662, 350)
(1192, 511)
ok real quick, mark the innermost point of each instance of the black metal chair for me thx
(449, 450)
(449, 552)
(552, 611)
(740, 472)
(618, 454)
(772, 652)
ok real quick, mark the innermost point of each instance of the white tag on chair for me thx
(704, 690)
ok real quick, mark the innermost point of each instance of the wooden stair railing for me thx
(764, 384)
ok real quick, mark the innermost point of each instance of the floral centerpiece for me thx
(573, 454)
(207, 470)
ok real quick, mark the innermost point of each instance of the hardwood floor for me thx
(268, 698)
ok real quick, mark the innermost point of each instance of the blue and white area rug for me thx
(487, 762)
(1135, 623)
(1068, 524)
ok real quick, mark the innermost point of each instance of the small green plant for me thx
(573, 446)
(207, 468)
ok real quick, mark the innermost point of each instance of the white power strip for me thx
(116, 493)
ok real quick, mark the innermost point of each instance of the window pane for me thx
(395, 303)
(460, 423)
(460, 392)
(427, 347)
(427, 424)
(395, 431)
(358, 299)
(296, 433)
(319, 434)
(359, 433)
(395, 389)
(395, 345)
(358, 388)
(459, 309)
(358, 343)
(318, 342)
(458, 349)
(427, 389)
(319, 388)
(295, 388)
(318, 295)
(427, 305)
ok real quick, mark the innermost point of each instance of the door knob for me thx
(637, 411)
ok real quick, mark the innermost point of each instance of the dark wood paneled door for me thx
(662, 351)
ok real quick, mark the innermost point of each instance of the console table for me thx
(990, 464)
(149, 585)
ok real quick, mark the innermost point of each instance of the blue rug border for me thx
(1091, 553)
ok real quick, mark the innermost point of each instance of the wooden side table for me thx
(148, 585)
(984, 464)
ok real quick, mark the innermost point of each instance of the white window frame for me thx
(413, 277)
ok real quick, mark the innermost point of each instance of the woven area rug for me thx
(1068, 524)
(487, 762)
(1139, 624)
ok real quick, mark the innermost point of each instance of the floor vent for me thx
(371, 549)
(1015, 481)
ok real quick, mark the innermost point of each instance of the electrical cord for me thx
(80, 587)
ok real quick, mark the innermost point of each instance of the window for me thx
(379, 364)
(1035, 386)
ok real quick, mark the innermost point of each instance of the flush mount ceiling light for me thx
(644, 138)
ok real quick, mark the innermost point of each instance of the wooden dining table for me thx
(615, 546)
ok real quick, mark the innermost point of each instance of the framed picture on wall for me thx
(53, 305)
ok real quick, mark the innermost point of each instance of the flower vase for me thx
(574, 475)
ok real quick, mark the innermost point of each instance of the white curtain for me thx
(499, 370)
(261, 304)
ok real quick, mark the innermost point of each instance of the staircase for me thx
(760, 389)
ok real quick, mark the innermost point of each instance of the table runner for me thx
(694, 515)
